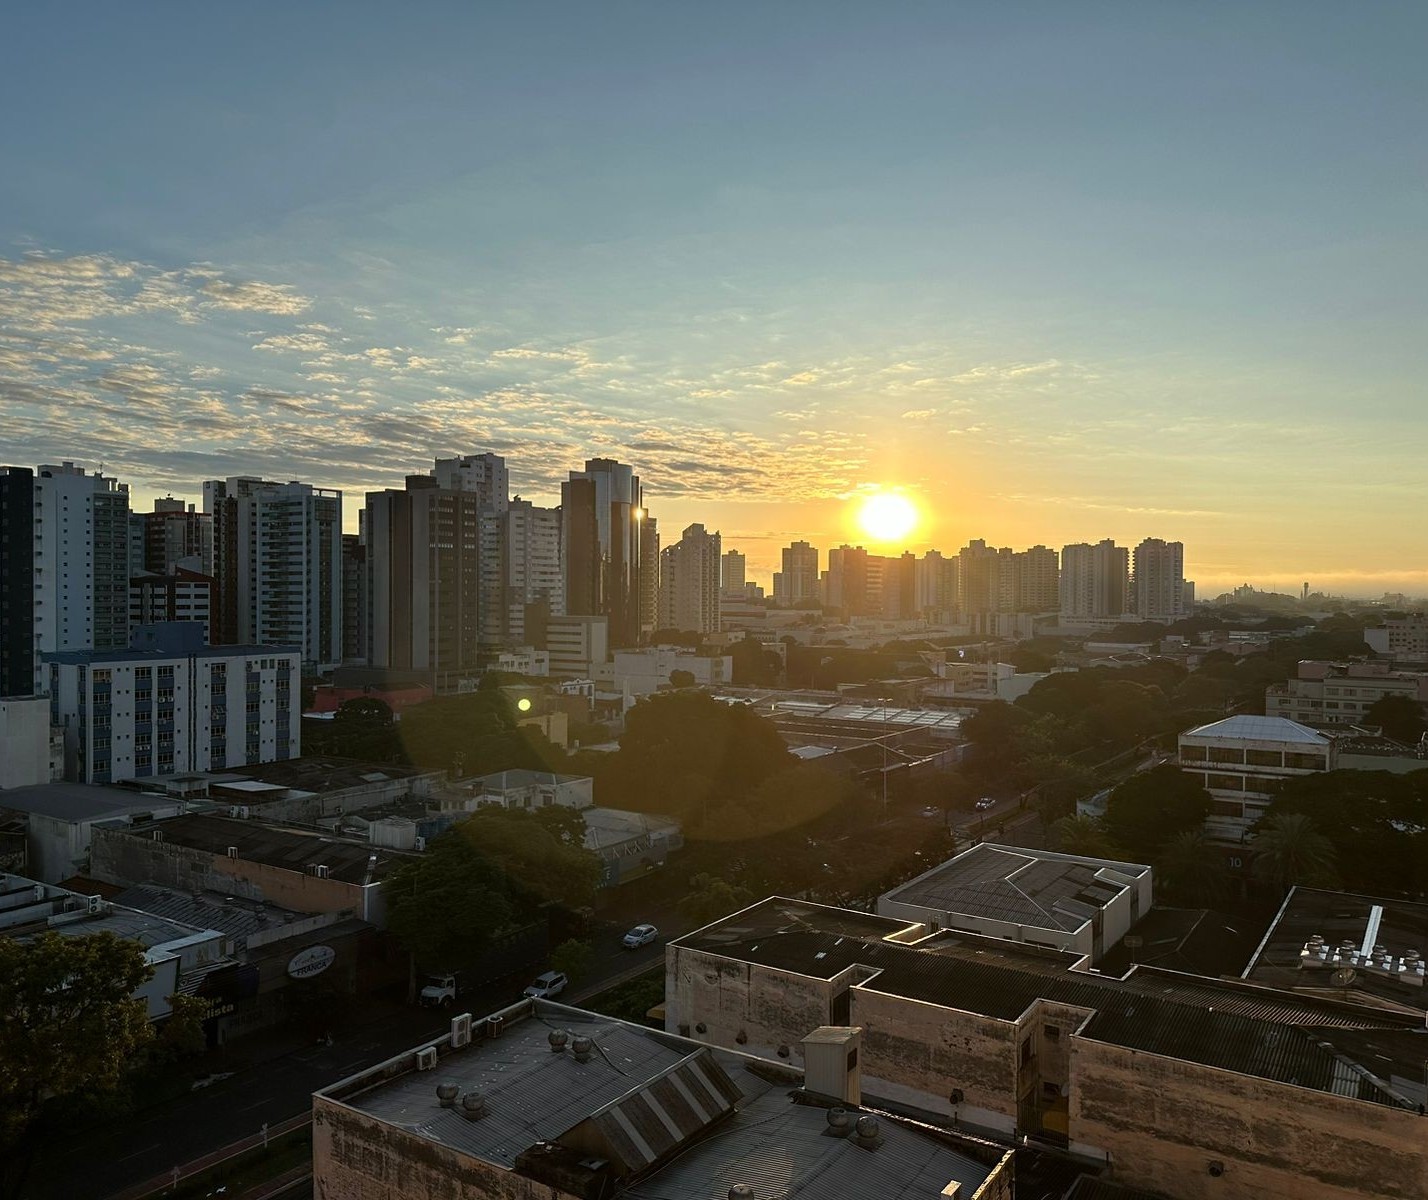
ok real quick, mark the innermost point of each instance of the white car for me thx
(985, 803)
(552, 983)
(640, 935)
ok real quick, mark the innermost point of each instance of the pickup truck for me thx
(440, 991)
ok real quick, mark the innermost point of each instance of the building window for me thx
(1192, 753)
(1052, 1032)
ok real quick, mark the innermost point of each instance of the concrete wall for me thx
(24, 741)
(355, 1157)
(126, 859)
(1163, 1121)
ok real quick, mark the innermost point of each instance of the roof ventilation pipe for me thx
(473, 1106)
(582, 1046)
(446, 1092)
(557, 1039)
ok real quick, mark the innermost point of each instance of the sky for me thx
(1057, 272)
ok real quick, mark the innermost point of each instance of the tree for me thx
(710, 898)
(364, 711)
(681, 679)
(446, 906)
(1191, 870)
(753, 665)
(573, 959)
(1085, 836)
(1400, 717)
(1289, 850)
(793, 798)
(69, 1025)
(540, 856)
(1151, 807)
(473, 734)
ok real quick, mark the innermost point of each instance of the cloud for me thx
(253, 296)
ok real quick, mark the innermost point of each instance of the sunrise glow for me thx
(887, 516)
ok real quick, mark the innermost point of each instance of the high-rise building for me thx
(173, 535)
(17, 581)
(1158, 580)
(168, 704)
(847, 585)
(798, 581)
(485, 476)
(354, 597)
(896, 597)
(81, 562)
(1037, 580)
(423, 579)
(1095, 580)
(936, 583)
(732, 571)
(649, 576)
(532, 570)
(689, 582)
(602, 514)
(181, 595)
(278, 562)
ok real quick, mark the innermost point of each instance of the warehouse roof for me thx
(81, 801)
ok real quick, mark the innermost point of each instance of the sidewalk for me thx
(161, 1183)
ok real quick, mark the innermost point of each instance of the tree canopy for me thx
(69, 1025)
(1152, 807)
(1400, 717)
(446, 906)
(473, 734)
(541, 853)
(1289, 850)
(710, 898)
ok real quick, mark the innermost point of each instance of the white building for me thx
(531, 790)
(689, 582)
(636, 673)
(169, 705)
(1158, 580)
(1403, 639)
(1337, 694)
(532, 572)
(577, 645)
(1243, 761)
(278, 560)
(1063, 901)
(31, 749)
(81, 562)
(1095, 580)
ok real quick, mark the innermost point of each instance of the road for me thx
(101, 1161)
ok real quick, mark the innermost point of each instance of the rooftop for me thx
(673, 1117)
(290, 849)
(324, 773)
(81, 801)
(1259, 729)
(1023, 887)
(500, 781)
(1195, 941)
(234, 917)
(1399, 926)
(1316, 1043)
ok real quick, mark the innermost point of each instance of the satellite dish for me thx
(1343, 976)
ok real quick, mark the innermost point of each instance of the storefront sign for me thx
(312, 961)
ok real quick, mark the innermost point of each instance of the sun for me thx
(887, 516)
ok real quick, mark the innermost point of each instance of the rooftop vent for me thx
(557, 1039)
(868, 1135)
(494, 1025)
(582, 1046)
(473, 1106)
(446, 1093)
(840, 1124)
(741, 1191)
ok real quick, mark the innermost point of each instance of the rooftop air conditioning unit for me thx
(232, 851)
(421, 843)
(461, 1030)
(426, 1058)
(96, 904)
(320, 871)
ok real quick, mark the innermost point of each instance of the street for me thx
(102, 1160)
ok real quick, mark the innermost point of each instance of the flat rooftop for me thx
(1399, 926)
(1022, 887)
(291, 849)
(1344, 1048)
(680, 1119)
(323, 773)
(235, 917)
(81, 801)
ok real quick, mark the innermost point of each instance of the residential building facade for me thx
(169, 705)
(689, 582)
(797, 583)
(17, 581)
(1095, 580)
(1158, 580)
(603, 515)
(532, 570)
(1340, 694)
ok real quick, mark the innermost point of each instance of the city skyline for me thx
(1058, 277)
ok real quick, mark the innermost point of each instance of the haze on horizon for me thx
(1058, 272)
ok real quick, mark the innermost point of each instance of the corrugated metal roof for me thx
(779, 1149)
(1259, 729)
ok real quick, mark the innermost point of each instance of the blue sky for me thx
(1058, 271)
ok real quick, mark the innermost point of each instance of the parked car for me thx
(985, 803)
(931, 811)
(640, 935)
(552, 983)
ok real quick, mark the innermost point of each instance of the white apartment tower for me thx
(278, 561)
(533, 574)
(1158, 580)
(1095, 580)
(689, 582)
(81, 563)
(169, 704)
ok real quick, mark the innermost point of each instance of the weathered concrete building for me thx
(545, 1102)
(1190, 1087)
(303, 871)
